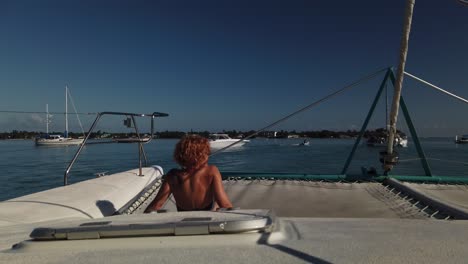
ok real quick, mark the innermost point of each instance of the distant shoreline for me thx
(348, 134)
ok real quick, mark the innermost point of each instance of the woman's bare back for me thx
(193, 190)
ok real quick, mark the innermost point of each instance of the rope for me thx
(399, 78)
(365, 78)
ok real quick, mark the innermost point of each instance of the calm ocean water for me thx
(26, 168)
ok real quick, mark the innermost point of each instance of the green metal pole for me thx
(413, 132)
(366, 122)
(417, 143)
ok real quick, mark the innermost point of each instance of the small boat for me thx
(218, 141)
(462, 140)
(58, 140)
(305, 143)
(132, 140)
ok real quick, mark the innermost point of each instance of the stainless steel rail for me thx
(141, 150)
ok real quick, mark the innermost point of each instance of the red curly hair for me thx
(192, 151)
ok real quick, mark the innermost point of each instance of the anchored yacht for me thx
(58, 140)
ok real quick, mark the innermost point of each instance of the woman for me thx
(196, 186)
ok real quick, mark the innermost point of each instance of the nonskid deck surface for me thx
(296, 198)
(321, 199)
(454, 195)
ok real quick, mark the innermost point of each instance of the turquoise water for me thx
(26, 168)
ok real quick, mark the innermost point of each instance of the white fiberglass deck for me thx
(88, 199)
(296, 240)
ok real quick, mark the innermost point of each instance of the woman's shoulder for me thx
(212, 168)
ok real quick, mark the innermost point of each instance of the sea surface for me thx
(26, 168)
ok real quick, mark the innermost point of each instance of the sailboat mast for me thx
(399, 77)
(47, 118)
(386, 110)
(66, 112)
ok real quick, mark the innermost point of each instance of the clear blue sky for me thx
(216, 65)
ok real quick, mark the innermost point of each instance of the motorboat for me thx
(462, 140)
(58, 140)
(219, 141)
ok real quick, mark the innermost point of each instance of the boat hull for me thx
(222, 143)
(59, 142)
(131, 140)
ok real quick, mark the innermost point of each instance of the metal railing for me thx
(140, 141)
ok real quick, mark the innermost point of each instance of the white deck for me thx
(88, 199)
(296, 240)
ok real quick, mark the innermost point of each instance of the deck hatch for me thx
(167, 224)
(96, 223)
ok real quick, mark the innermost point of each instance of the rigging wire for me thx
(353, 84)
(438, 88)
(451, 161)
(16, 150)
(38, 112)
(74, 108)
(436, 159)
(387, 125)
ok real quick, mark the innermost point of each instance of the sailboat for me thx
(58, 140)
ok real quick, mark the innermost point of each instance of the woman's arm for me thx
(160, 198)
(221, 197)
